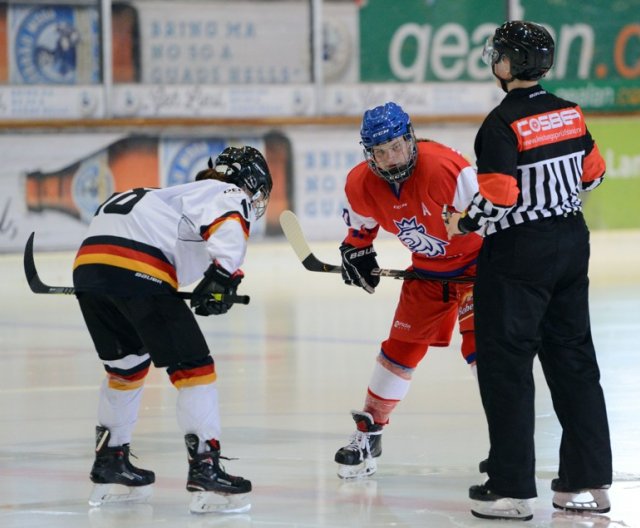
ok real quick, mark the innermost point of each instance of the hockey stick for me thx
(293, 232)
(37, 286)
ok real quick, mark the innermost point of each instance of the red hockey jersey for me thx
(412, 211)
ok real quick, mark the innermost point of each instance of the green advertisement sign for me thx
(417, 40)
(597, 60)
(613, 204)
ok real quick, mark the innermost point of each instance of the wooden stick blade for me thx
(292, 230)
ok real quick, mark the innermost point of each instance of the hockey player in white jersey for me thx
(142, 245)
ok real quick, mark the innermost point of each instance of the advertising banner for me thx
(597, 56)
(224, 42)
(597, 60)
(52, 183)
(613, 204)
(417, 41)
(27, 102)
(57, 196)
(247, 100)
(54, 44)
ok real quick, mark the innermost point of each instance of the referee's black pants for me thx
(531, 297)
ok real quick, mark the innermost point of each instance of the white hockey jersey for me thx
(152, 241)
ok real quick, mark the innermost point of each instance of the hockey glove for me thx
(217, 280)
(357, 264)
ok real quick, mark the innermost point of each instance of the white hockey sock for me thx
(118, 412)
(390, 381)
(198, 413)
(388, 386)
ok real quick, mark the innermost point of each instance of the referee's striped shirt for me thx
(534, 157)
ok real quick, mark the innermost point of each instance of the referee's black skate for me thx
(587, 500)
(212, 489)
(115, 478)
(488, 505)
(357, 459)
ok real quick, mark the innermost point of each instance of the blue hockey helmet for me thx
(381, 125)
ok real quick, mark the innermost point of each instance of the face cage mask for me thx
(395, 174)
(259, 202)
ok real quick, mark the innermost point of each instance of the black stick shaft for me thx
(37, 286)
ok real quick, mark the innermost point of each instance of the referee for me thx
(534, 158)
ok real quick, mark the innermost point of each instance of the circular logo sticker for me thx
(46, 44)
(92, 184)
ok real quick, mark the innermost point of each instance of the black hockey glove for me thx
(357, 264)
(217, 280)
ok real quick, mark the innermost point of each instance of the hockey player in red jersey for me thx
(141, 246)
(404, 186)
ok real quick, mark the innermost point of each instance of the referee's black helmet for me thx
(528, 45)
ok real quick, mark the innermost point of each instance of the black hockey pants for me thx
(531, 297)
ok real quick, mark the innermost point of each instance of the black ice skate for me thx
(488, 505)
(212, 489)
(116, 479)
(593, 500)
(357, 459)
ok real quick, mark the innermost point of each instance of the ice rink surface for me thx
(291, 365)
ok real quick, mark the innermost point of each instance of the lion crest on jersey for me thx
(415, 237)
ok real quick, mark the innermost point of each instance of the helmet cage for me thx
(399, 173)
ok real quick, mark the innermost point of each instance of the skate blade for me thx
(583, 519)
(505, 508)
(211, 502)
(592, 501)
(113, 493)
(363, 470)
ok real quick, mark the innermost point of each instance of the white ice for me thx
(291, 365)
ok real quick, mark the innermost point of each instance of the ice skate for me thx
(213, 490)
(488, 505)
(593, 500)
(357, 459)
(115, 478)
